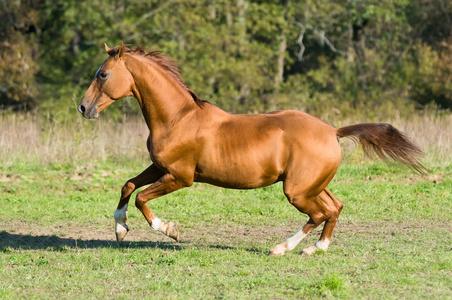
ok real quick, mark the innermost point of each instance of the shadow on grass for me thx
(21, 241)
(56, 243)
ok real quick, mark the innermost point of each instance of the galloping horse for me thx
(191, 140)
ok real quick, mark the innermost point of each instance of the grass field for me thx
(57, 240)
(392, 241)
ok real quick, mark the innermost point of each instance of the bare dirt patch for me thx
(23, 235)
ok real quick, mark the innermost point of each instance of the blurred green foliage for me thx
(326, 57)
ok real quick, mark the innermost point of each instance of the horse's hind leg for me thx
(329, 201)
(290, 243)
(321, 208)
(148, 176)
(309, 206)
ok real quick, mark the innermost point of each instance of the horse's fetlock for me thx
(172, 231)
(156, 223)
(120, 215)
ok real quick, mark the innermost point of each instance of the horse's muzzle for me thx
(88, 113)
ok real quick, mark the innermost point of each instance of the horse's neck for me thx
(161, 98)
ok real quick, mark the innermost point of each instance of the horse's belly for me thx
(238, 176)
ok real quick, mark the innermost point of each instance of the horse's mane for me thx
(166, 63)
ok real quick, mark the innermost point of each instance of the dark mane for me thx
(166, 63)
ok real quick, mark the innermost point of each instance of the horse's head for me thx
(112, 81)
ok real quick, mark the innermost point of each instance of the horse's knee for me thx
(128, 188)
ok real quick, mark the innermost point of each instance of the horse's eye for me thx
(102, 75)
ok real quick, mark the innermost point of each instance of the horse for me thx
(191, 140)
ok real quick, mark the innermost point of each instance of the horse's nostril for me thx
(82, 109)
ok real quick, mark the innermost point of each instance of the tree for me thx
(18, 50)
(242, 55)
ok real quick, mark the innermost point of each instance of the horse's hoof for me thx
(121, 231)
(310, 250)
(172, 231)
(278, 250)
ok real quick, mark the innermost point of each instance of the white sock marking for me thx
(121, 215)
(295, 239)
(323, 245)
(156, 222)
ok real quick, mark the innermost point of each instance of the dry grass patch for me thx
(26, 138)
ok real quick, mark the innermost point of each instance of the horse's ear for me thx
(121, 51)
(107, 49)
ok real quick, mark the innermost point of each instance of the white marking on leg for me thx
(121, 215)
(319, 245)
(322, 245)
(295, 239)
(156, 222)
(121, 226)
(288, 244)
(169, 229)
(310, 250)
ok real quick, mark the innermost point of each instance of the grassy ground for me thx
(392, 240)
(60, 183)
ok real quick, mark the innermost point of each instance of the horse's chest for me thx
(167, 154)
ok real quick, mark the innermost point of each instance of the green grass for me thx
(392, 240)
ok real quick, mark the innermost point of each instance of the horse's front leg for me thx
(148, 176)
(166, 184)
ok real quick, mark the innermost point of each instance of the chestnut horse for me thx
(191, 140)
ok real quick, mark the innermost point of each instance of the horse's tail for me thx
(386, 142)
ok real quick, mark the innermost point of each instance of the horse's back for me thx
(248, 151)
(298, 129)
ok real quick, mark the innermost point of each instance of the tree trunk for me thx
(281, 54)
(282, 49)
